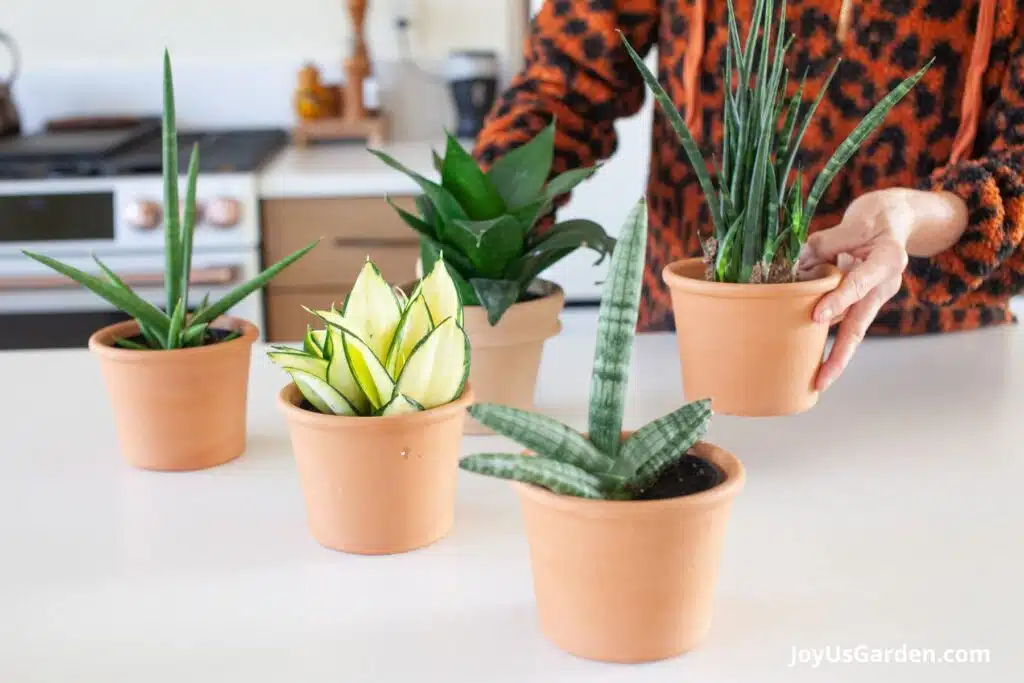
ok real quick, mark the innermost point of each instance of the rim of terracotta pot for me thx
(688, 275)
(731, 466)
(289, 399)
(101, 342)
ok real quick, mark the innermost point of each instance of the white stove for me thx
(76, 194)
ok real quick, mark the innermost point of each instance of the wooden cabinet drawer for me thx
(287, 320)
(349, 229)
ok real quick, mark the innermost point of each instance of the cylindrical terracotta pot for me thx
(377, 485)
(183, 409)
(629, 581)
(506, 358)
(754, 350)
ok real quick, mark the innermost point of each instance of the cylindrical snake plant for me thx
(179, 325)
(599, 464)
(756, 198)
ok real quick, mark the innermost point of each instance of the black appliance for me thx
(473, 80)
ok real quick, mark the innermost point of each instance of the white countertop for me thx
(889, 515)
(347, 170)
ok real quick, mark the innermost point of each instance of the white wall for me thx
(119, 32)
(235, 61)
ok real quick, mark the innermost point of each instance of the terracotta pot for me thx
(505, 358)
(183, 409)
(754, 350)
(377, 485)
(628, 581)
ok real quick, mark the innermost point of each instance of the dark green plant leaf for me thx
(172, 236)
(129, 344)
(654, 447)
(528, 215)
(155, 340)
(441, 199)
(685, 138)
(490, 245)
(430, 253)
(567, 181)
(124, 299)
(555, 476)
(415, 222)
(853, 141)
(194, 335)
(177, 320)
(574, 234)
(529, 267)
(496, 296)
(520, 174)
(438, 161)
(189, 225)
(245, 289)
(469, 185)
(543, 435)
(617, 318)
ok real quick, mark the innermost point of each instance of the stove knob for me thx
(143, 215)
(224, 212)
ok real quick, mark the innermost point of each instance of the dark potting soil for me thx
(211, 337)
(691, 474)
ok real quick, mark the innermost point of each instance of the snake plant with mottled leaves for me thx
(486, 222)
(177, 326)
(756, 199)
(599, 464)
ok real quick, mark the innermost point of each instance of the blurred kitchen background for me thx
(80, 163)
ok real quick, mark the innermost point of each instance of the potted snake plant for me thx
(625, 529)
(177, 378)
(488, 225)
(744, 303)
(376, 409)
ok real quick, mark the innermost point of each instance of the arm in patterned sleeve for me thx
(577, 71)
(988, 259)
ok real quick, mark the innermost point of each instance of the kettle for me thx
(10, 122)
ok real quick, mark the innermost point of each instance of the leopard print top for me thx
(577, 71)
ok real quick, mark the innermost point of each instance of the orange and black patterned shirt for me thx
(577, 70)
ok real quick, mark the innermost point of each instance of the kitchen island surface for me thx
(888, 517)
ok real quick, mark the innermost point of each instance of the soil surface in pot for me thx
(211, 337)
(691, 474)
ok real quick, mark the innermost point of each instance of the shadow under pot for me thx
(180, 409)
(753, 349)
(377, 485)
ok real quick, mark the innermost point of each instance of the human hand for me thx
(870, 246)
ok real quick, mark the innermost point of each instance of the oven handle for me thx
(224, 275)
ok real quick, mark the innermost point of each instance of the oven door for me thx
(41, 309)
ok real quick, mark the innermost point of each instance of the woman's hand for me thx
(872, 245)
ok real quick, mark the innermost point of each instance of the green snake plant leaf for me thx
(520, 174)
(752, 231)
(243, 290)
(174, 329)
(795, 144)
(468, 184)
(437, 161)
(496, 296)
(685, 138)
(430, 253)
(558, 477)
(427, 239)
(189, 224)
(617, 318)
(529, 267)
(566, 181)
(545, 436)
(194, 335)
(154, 340)
(857, 136)
(491, 245)
(657, 445)
(573, 234)
(421, 226)
(443, 201)
(121, 297)
(172, 236)
(129, 344)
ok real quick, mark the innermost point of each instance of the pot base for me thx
(754, 350)
(628, 581)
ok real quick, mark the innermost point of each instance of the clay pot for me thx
(628, 581)
(377, 485)
(754, 350)
(183, 409)
(506, 358)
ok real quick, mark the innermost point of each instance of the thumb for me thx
(826, 245)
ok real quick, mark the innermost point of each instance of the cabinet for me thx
(349, 229)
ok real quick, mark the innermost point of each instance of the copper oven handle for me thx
(199, 276)
(372, 243)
